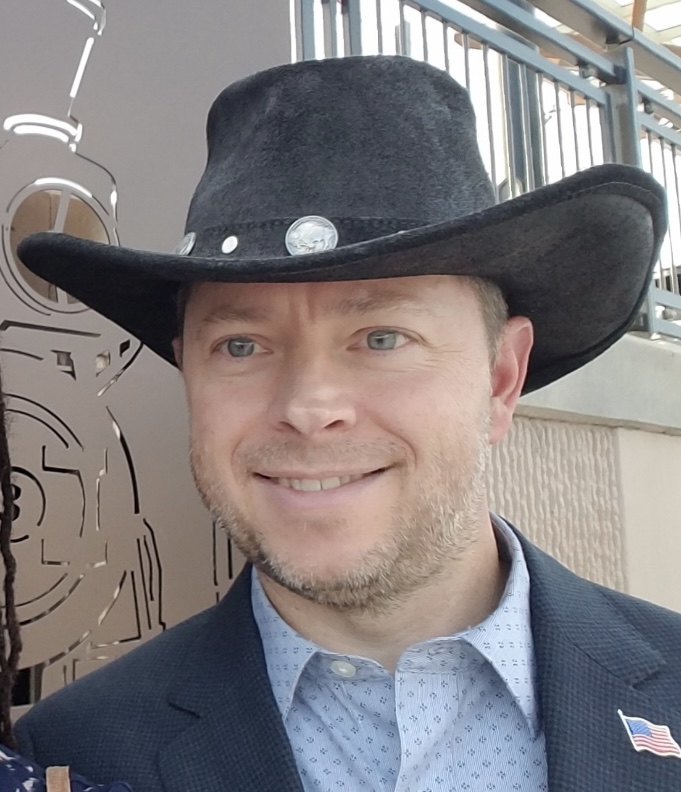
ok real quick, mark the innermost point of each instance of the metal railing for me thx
(552, 95)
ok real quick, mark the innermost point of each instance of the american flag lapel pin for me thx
(647, 736)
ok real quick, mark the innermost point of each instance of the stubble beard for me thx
(427, 534)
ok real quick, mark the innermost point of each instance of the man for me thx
(356, 323)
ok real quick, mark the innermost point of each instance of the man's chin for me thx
(305, 578)
(350, 585)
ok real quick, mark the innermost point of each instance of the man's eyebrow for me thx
(234, 313)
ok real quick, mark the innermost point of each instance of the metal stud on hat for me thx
(311, 234)
(186, 245)
(230, 244)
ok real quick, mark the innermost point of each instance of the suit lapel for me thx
(234, 740)
(591, 662)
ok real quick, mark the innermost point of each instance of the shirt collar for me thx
(287, 653)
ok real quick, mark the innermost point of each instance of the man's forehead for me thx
(258, 301)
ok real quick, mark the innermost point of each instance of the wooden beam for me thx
(638, 13)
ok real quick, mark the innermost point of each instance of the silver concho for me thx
(311, 234)
(186, 245)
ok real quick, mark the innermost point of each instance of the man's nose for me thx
(314, 395)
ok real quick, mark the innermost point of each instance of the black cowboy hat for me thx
(368, 167)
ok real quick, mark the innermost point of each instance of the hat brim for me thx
(575, 257)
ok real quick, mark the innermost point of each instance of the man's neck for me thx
(463, 595)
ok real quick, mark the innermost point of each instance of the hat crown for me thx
(376, 136)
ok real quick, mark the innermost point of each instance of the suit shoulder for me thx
(130, 680)
(661, 626)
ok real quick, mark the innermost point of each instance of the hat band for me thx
(268, 238)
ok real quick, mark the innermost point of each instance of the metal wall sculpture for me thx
(91, 583)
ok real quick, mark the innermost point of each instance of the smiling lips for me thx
(317, 484)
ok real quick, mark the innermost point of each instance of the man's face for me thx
(339, 431)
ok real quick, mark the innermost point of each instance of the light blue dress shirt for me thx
(460, 712)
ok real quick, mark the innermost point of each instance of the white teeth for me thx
(306, 485)
(315, 485)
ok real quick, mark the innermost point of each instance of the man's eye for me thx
(240, 347)
(384, 339)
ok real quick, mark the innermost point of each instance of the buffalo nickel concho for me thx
(311, 234)
(186, 245)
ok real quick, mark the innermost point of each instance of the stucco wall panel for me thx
(650, 476)
(558, 483)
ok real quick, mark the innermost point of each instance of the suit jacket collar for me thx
(235, 740)
(591, 662)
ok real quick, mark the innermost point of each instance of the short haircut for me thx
(494, 310)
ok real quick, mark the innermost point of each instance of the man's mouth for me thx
(318, 484)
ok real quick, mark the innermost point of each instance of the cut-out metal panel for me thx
(104, 503)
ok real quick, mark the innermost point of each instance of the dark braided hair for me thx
(10, 639)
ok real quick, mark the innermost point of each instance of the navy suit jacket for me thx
(192, 710)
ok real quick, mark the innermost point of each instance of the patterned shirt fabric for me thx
(460, 712)
(19, 775)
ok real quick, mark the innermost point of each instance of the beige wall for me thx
(650, 497)
(606, 502)
(558, 483)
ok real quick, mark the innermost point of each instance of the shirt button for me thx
(343, 668)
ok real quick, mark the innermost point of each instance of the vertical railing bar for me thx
(509, 135)
(677, 285)
(304, 10)
(658, 266)
(334, 28)
(424, 34)
(649, 139)
(329, 17)
(544, 142)
(607, 127)
(573, 113)
(589, 133)
(490, 119)
(559, 125)
(466, 60)
(445, 42)
(672, 257)
(346, 23)
(379, 24)
(527, 131)
(352, 27)
(403, 31)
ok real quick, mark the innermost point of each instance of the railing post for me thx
(524, 119)
(624, 108)
(352, 26)
(626, 134)
(305, 29)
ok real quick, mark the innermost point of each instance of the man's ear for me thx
(177, 350)
(508, 374)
